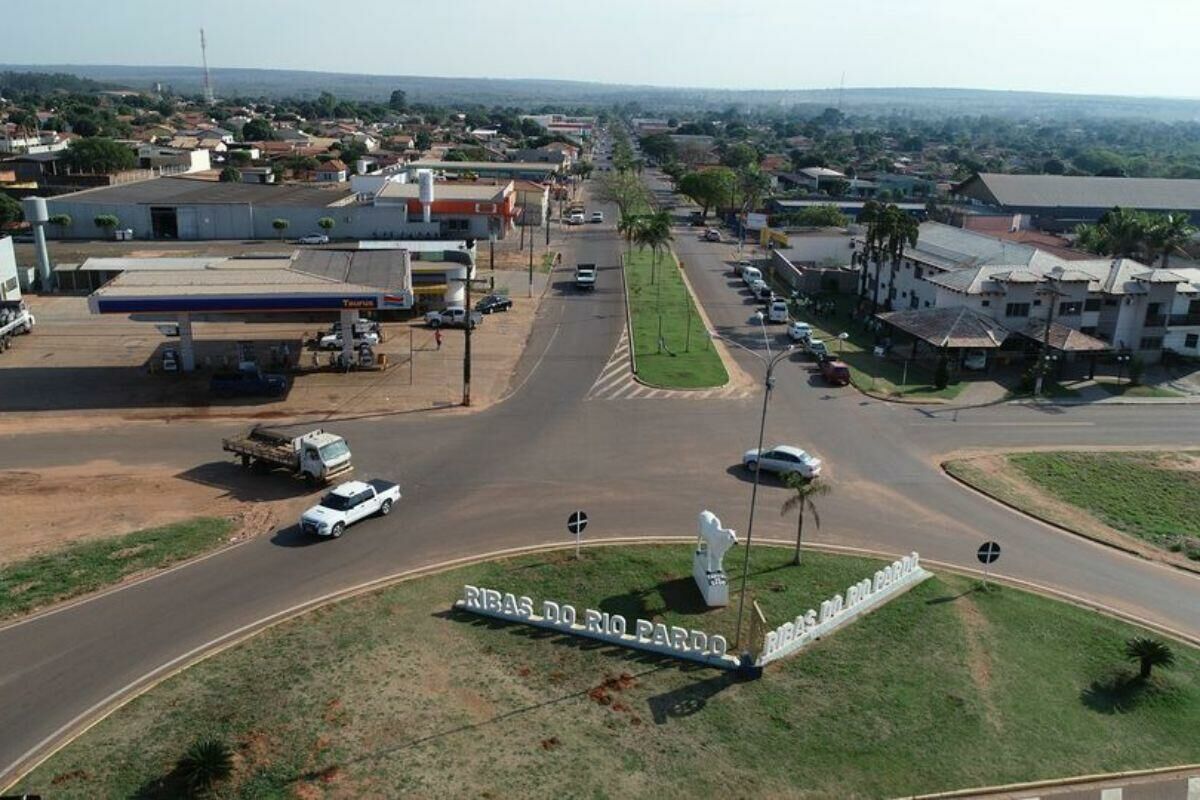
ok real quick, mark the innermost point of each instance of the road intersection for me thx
(508, 476)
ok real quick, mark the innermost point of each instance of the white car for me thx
(576, 218)
(817, 349)
(313, 238)
(333, 339)
(452, 317)
(799, 331)
(597, 216)
(782, 459)
(750, 275)
(348, 503)
(778, 312)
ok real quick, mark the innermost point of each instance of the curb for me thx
(1054, 782)
(628, 315)
(73, 729)
(1118, 546)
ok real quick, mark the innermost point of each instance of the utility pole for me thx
(530, 260)
(1054, 293)
(466, 401)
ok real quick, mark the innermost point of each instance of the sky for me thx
(1147, 48)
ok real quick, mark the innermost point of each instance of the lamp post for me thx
(841, 337)
(1122, 358)
(769, 363)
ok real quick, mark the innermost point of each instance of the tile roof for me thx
(949, 327)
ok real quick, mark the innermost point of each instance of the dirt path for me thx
(48, 508)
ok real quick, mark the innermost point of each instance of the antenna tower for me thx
(208, 90)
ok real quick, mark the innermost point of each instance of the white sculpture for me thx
(707, 567)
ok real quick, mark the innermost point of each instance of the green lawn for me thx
(869, 372)
(90, 565)
(687, 358)
(1132, 390)
(1137, 493)
(393, 694)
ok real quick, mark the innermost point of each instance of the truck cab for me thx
(323, 454)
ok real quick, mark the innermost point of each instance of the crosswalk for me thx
(616, 382)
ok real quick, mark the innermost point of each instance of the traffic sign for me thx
(988, 552)
(577, 522)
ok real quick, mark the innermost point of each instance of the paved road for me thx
(510, 475)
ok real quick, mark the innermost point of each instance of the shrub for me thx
(63, 220)
(107, 221)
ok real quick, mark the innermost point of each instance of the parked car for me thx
(975, 359)
(741, 267)
(761, 291)
(750, 275)
(835, 372)
(597, 216)
(712, 235)
(452, 317)
(313, 238)
(348, 503)
(333, 339)
(778, 311)
(799, 331)
(249, 382)
(493, 303)
(782, 459)
(817, 349)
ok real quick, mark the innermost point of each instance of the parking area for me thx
(79, 367)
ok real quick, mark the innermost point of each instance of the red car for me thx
(835, 372)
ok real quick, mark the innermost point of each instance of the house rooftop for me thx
(191, 191)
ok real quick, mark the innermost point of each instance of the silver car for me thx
(782, 459)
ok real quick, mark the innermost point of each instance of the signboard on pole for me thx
(575, 524)
(756, 222)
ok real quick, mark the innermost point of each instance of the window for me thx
(1091, 304)
(1037, 302)
(1069, 308)
(1110, 301)
(927, 304)
(904, 294)
(918, 272)
(1151, 343)
(458, 224)
(1016, 310)
(1191, 340)
(985, 303)
(914, 301)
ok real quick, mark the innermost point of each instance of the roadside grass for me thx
(868, 372)
(687, 358)
(86, 566)
(1132, 390)
(394, 694)
(1151, 495)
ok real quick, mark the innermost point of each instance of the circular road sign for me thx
(577, 522)
(988, 552)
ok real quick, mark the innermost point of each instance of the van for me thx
(778, 312)
(750, 275)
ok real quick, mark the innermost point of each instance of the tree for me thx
(258, 130)
(326, 223)
(398, 100)
(628, 226)
(280, 224)
(230, 175)
(1167, 234)
(206, 763)
(582, 169)
(739, 156)
(422, 140)
(708, 188)
(99, 155)
(1052, 166)
(1149, 653)
(10, 210)
(61, 220)
(1120, 232)
(801, 500)
(826, 215)
(239, 158)
(107, 222)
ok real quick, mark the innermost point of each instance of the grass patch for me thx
(869, 372)
(86, 566)
(1137, 390)
(687, 359)
(1149, 495)
(390, 694)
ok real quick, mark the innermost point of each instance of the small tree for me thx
(239, 158)
(1149, 653)
(326, 223)
(280, 224)
(61, 220)
(803, 492)
(205, 764)
(108, 222)
(230, 175)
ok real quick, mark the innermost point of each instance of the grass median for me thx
(393, 694)
(1150, 496)
(685, 358)
(86, 566)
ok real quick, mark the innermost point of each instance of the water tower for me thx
(425, 178)
(38, 216)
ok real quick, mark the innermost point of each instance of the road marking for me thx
(617, 382)
(1112, 794)
(536, 364)
(1193, 789)
(1010, 424)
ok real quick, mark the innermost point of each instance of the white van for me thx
(750, 275)
(778, 312)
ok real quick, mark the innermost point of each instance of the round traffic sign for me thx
(577, 522)
(988, 552)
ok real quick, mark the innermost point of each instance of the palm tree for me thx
(655, 233)
(802, 500)
(628, 226)
(902, 231)
(872, 217)
(1149, 653)
(1168, 234)
(206, 763)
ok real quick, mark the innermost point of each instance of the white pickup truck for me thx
(347, 504)
(452, 317)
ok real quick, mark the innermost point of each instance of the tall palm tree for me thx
(801, 500)
(629, 226)
(655, 233)
(902, 231)
(1168, 233)
(1149, 653)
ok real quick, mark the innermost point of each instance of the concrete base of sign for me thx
(713, 586)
